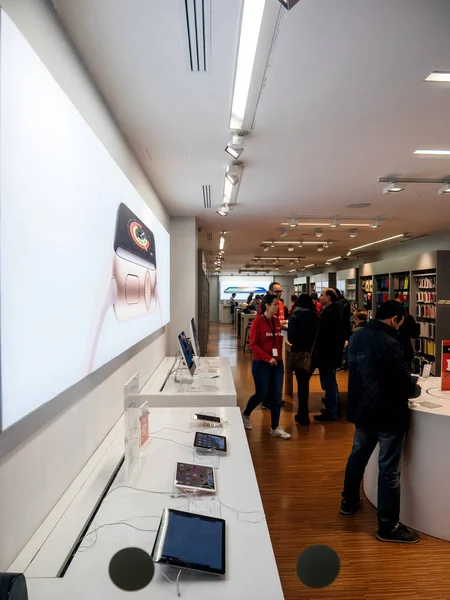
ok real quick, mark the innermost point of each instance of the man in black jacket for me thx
(380, 384)
(328, 352)
(346, 311)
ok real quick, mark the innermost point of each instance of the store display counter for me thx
(251, 570)
(425, 478)
(174, 394)
(225, 315)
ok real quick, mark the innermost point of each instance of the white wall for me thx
(41, 455)
(183, 277)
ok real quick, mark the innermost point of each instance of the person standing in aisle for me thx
(346, 311)
(328, 353)
(302, 330)
(266, 343)
(379, 387)
(232, 305)
(317, 304)
(408, 331)
(276, 290)
(250, 298)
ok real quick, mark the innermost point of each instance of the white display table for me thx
(225, 313)
(171, 396)
(251, 567)
(425, 477)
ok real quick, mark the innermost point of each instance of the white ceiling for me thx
(344, 103)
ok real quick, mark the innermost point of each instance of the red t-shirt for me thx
(318, 308)
(263, 340)
(281, 310)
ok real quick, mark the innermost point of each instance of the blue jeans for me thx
(330, 387)
(391, 446)
(268, 389)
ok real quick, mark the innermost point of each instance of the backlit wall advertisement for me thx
(84, 261)
(242, 286)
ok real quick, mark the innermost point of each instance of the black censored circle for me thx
(131, 569)
(318, 566)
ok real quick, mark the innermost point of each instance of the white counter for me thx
(223, 395)
(251, 567)
(425, 478)
(225, 315)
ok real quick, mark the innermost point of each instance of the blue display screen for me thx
(196, 541)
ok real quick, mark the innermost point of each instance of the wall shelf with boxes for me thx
(422, 284)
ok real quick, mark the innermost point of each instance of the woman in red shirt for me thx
(266, 344)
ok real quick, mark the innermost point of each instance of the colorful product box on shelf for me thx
(445, 377)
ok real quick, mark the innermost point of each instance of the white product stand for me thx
(251, 570)
(176, 394)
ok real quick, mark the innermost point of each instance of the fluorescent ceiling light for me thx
(248, 42)
(445, 189)
(221, 242)
(394, 237)
(293, 271)
(309, 266)
(327, 262)
(325, 224)
(393, 186)
(227, 188)
(439, 76)
(335, 258)
(433, 152)
(283, 243)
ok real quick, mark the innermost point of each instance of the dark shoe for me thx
(324, 411)
(283, 403)
(302, 420)
(324, 418)
(349, 509)
(401, 534)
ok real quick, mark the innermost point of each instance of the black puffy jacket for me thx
(329, 346)
(379, 380)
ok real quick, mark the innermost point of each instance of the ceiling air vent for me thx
(209, 236)
(206, 196)
(197, 24)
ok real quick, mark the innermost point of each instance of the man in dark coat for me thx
(379, 386)
(328, 352)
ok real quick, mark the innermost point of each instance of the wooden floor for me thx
(301, 481)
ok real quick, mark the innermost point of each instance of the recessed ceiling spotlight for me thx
(375, 224)
(352, 233)
(292, 262)
(300, 245)
(266, 249)
(320, 249)
(445, 189)
(291, 249)
(438, 77)
(349, 253)
(272, 244)
(335, 223)
(283, 233)
(394, 187)
(297, 260)
(318, 233)
(293, 222)
(423, 152)
(327, 262)
(359, 205)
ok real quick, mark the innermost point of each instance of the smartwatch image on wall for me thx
(134, 269)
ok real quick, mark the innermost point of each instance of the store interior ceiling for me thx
(343, 102)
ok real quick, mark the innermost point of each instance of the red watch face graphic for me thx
(134, 266)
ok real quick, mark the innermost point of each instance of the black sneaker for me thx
(348, 509)
(324, 418)
(400, 534)
(302, 421)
